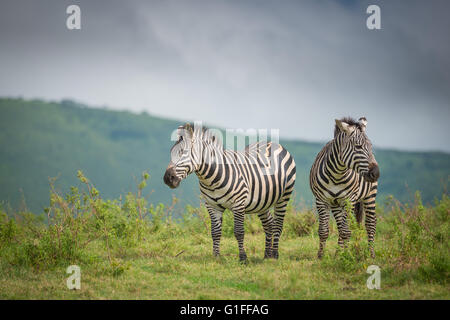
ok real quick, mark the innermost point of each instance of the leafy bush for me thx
(414, 243)
(300, 223)
(8, 229)
(74, 222)
(421, 238)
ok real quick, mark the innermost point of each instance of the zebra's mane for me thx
(206, 134)
(350, 121)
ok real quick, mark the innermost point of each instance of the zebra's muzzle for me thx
(171, 179)
(374, 173)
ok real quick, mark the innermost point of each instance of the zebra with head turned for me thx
(345, 170)
(251, 181)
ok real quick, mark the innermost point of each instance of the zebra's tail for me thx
(359, 212)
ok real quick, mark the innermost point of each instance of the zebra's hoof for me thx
(243, 258)
(267, 254)
(243, 262)
(274, 255)
(319, 255)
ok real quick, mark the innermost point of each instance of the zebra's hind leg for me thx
(267, 222)
(280, 212)
(216, 228)
(340, 216)
(324, 230)
(239, 231)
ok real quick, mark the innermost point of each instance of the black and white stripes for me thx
(345, 170)
(251, 181)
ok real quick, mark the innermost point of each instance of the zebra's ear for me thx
(363, 122)
(189, 129)
(344, 126)
(186, 131)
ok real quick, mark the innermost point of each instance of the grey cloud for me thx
(263, 64)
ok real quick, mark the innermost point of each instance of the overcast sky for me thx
(292, 65)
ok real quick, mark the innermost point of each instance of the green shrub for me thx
(421, 235)
(300, 223)
(75, 221)
(8, 229)
(415, 242)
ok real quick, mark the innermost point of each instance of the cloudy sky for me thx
(292, 65)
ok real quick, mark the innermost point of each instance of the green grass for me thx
(128, 249)
(155, 273)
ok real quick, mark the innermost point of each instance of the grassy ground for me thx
(129, 250)
(157, 273)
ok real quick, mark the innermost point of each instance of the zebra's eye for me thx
(358, 146)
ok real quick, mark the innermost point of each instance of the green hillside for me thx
(41, 139)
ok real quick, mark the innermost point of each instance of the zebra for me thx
(244, 182)
(345, 170)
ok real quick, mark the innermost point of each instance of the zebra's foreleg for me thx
(267, 222)
(370, 223)
(324, 230)
(340, 216)
(216, 228)
(239, 231)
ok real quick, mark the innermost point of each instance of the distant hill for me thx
(46, 139)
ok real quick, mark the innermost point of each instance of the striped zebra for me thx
(346, 170)
(252, 181)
